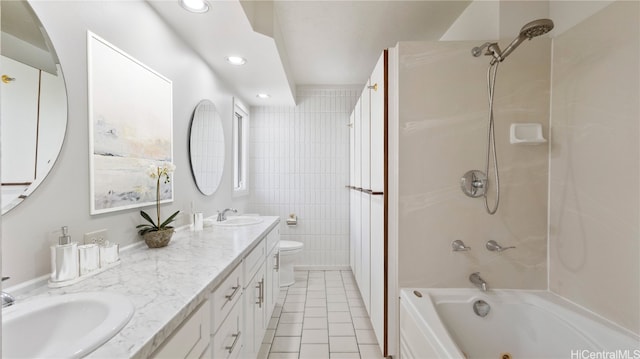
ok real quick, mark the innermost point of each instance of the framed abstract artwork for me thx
(130, 129)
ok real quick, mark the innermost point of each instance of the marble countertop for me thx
(166, 284)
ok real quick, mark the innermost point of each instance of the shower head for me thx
(536, 28)
(529, 31)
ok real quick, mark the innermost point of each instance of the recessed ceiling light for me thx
(198, 6)
(263, 95)
(236, 60)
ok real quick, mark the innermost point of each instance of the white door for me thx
(377, 126)
(364, 282)
(377, 268)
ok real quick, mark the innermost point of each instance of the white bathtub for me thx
(521, 324)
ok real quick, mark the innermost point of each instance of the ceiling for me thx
(303, 42)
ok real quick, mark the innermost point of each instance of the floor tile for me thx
(313, 302)
(343, 344)
(355, 302)
(361, 323)
(295, 298)
(315, 312)
(359, 312)
(320, 316)
(366, 337)
(314, 323)
(316, 294)
(341, 330)
(336, 298)
(285, 345)
(345, 356)
(293, 307)
(289, 330)
(354, 294)
(291, 317)
(315, 336)
(297, 291)
(273, 355)
(332, 276)
(337, 307)
(336, 290)
(370, 351)
(314, 351)
(339, 317)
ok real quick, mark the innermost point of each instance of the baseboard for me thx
(303, 267)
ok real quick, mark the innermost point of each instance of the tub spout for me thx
(478, 281)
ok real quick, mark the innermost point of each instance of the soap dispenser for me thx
(64, 258)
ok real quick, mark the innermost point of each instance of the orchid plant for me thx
(158, 172)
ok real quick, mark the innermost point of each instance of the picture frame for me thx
(130, 129)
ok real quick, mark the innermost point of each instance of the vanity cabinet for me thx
(226, 316)
(191, 339)
(254, 314)
(261, 288)
(272, 272)
(232, 322)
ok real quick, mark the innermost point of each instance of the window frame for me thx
(240, 132)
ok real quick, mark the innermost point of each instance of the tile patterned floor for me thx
(321, 316)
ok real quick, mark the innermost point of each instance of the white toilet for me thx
(289, 251)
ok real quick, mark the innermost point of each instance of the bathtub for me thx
(441, 323)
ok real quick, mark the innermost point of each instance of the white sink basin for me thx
(63, 326)
(239, 221)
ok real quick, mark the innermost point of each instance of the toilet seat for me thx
(289, 246)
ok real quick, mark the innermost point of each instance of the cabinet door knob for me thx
(6, 79)
(373, 87)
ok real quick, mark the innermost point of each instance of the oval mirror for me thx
(206, 147)
(33, 103)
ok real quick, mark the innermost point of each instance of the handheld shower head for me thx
(529, 31)
(536, 28)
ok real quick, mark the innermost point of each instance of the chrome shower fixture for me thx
(529, 31)
(475, 183)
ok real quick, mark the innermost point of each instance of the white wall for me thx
(63, 198)
(300, 164)
(441, 134)
(594, 209)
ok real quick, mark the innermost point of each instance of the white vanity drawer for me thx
(253, 261)
(225, 296)
(272, 239)
(191, 338)
(227, 342)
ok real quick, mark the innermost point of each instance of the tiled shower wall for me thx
(299, 163)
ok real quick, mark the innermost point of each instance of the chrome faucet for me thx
(459, 246)
(7, 299)
(493, 246)
(478, 281)
(222, 216)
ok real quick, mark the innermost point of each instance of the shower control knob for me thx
(474, 183)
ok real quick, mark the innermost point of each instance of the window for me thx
(240, 149)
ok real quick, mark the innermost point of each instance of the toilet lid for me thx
(290, 245)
